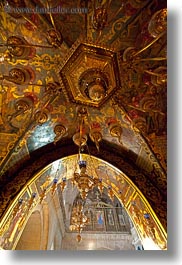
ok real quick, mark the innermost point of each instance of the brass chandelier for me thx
(80, 179)
(84, 182)
(78, 220)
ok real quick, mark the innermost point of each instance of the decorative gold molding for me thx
(80, 71)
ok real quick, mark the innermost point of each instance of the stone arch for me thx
(150, 191)
(40, 158)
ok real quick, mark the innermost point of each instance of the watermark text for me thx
(45, 10)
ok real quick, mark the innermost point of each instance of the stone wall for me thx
(98, 241)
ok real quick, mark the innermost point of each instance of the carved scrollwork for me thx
(99, 18)
(115, 130)
(80, 140)
(159, 76)
(54, 38)
(158, 23)
(41, 116)
(19, 76)
(82, 112)
(96, 137)
(23, 104)
(19, 112)
(52, 88)
(140, 124)
(129, 53)
(19, 47)
(59, 131)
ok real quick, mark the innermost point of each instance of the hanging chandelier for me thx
(81, 179)
(84, 182)
(87, 182)
(78, 220)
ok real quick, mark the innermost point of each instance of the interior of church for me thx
(83, 125)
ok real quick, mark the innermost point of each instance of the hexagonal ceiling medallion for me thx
(90, 74)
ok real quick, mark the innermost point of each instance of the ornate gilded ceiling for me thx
(105, 58)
